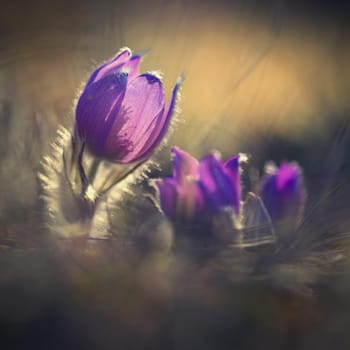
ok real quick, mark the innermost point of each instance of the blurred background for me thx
(270, 78)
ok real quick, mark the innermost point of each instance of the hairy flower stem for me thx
(83, 177)
(73, 173)
(93, 170)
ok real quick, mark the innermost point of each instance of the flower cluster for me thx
(200, 191)
(201, 187)
(121, 117)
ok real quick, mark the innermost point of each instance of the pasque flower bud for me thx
(282, 191)
(121, 115)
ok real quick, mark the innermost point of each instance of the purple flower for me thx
(282, 191)
(181, 196)
(207, 195)
(121, 115)
(198, 190)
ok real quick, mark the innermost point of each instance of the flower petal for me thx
(232, 169)
(113, 65)
(161, 126)
(217, 184)
(132, 66)
(288, 177)
(142, 108)
(167, 188)
(169, 111)
(283, 193)
(184, 165)
(190, 201)
(183, 202)
(96, 109)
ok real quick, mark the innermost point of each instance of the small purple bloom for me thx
(181, 196)
(282, 191)
(199, 188)
(121, 114)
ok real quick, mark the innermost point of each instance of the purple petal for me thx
(190, 201)
(183, 202)
(97, 108)
(283, 193)
(142, 109)
(121, 57)
(167, 188)
(161, 126)
(114, 65)
(288, 176)
(184, 165)
(169, 111)
(132, 66)
(217, 184)
(232, 169)
(232, 166)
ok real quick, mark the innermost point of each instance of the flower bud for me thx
(121, 115)
(181, 196)
(282, 192)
